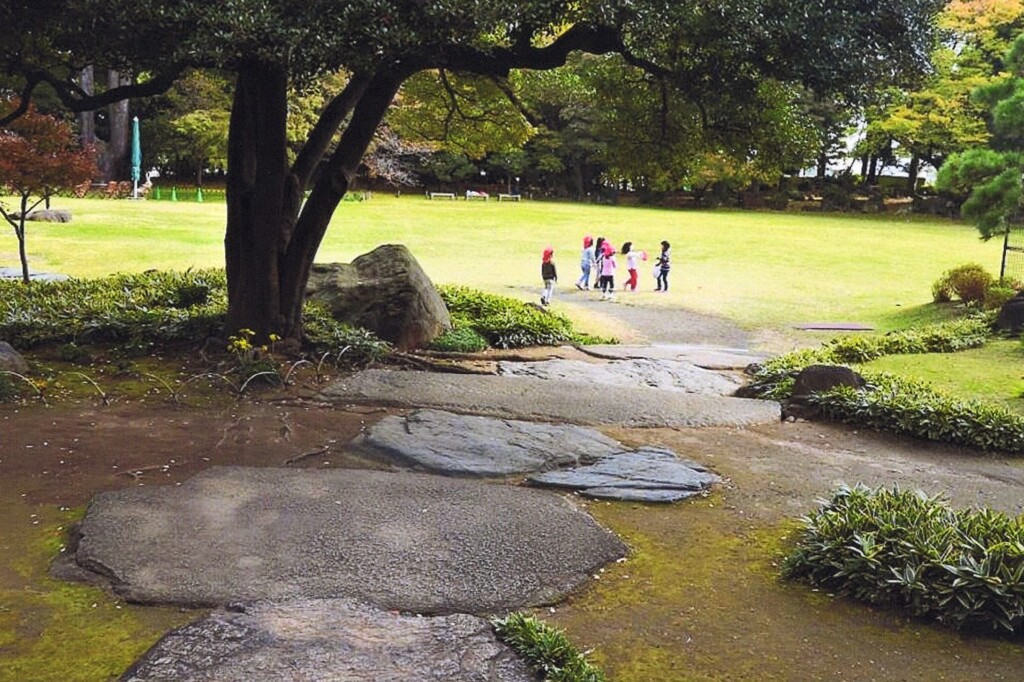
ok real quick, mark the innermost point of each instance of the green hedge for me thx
(913, 408)
(901, 405)
(906, 549)
(505, 322)
(947, 337)
(150, 309)
(546, 649)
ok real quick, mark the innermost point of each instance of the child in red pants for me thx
(631, 263)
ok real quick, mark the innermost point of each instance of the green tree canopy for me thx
(709, 50)
(991, 176)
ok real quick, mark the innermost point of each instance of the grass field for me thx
(760, 269)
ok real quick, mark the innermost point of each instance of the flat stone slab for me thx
(705, 357)
(15, 273)
(404, 541)
(464, 445)
(329, 640)
(647, 475)
(834, 326)
(557, 401)
(668, 375)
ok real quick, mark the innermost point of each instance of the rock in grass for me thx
(11, 360)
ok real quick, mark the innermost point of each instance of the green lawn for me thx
(993, 373)
(761, 269)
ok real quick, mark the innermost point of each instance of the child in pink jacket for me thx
(608, 272)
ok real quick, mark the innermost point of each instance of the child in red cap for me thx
(548, 274)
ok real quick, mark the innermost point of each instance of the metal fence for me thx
(1013, 254)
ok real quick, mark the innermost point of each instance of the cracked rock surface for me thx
(328, 640)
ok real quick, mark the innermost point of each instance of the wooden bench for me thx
(441, 195)
(509, 197)
(472, 194)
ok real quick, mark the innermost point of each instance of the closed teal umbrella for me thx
(136, 156)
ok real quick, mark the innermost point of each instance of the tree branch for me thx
(77, 100)
(26, 98)
(327, 125)
(506, 89)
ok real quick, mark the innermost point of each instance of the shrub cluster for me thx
(913, 408)
(547, 649)
(505, 322)
(974, 286)
(906, 549)
(147, 309)
(773, 379)
(895, 404)
(151, 307)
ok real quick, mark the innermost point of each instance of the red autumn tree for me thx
(38, 157)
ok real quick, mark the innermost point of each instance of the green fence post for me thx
(199, 194)
(174, 193)
(156, 193)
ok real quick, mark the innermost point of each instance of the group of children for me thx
(598, 257)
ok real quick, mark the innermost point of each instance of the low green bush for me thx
(140, 311)
(155, 306)
(895, 404)
(546, 649)
(913, 408)
(460, 340)
(910, 550)
(773, 379)
(968, 282)
(351, 346)
(507, 322)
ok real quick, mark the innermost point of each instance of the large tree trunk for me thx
(115, 158)
(269, 246)
(257, 171)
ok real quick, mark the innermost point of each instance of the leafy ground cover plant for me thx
(901, 405)
(913, 408)
(546, 649)
(964, 568)
(774, 377)
(505, 322)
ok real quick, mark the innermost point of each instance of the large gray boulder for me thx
(328, 640)
(11, 360)
(385, 291)
(1011, 315)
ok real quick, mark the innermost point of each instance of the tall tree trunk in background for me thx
(114, 164)
(87, 119)
(873, 170)
(822, 166)
(912, 172)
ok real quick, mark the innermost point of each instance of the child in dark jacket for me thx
(548, 274)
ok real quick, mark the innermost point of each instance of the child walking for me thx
(548, 274)
(664, 265)
(631, 262)
(598, 256)
(586, 263)
(608, 273)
